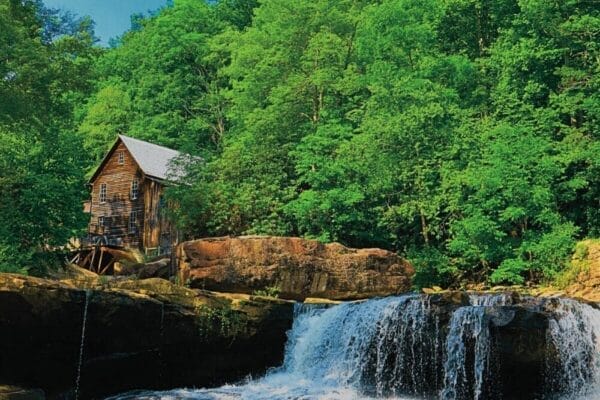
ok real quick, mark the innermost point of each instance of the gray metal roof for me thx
(154, 160)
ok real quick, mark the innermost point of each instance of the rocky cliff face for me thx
(151, 334)
(138, 334)
(298, 267)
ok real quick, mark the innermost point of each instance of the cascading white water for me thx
(376, 348)
(384, 346)
(398, 348)
(88, 294)
(575, 334)
(467, 324)
(490, 300)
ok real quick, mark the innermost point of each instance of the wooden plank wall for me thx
(152, 193)
(118, 205)
(157, 227)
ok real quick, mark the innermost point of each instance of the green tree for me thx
(291, 72)
(107, 116)
(41, 181)
(461, 133)
(158, 83)
(508, 225)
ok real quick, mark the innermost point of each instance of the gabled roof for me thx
(155, 161)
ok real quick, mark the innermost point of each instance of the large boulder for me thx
(297, 267)
(138, 334)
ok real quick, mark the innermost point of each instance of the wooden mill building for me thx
(127, 206)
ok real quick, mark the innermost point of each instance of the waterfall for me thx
(161, 333)
(88, 294)
(468, 324)
(419, 347)
(490, 300)
(574, 331)
(395, 352)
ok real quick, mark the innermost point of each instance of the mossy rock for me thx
(17, 393)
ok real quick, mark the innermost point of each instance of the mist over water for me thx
(393, 348)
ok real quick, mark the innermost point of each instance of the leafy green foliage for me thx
(220, 321)
(268, 291)
(463, 134)
(578, 265)
(46, 69)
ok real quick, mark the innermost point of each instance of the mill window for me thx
(133, 222)
(121, 157)
(103, 221)
(134, 189)
(103, 193)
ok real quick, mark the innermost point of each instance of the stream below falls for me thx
(403, 347)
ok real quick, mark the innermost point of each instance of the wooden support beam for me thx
(111, 262)
(91, 268)
(85, 261)
(100, 261)
(75, 259)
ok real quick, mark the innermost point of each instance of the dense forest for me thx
(464, 134)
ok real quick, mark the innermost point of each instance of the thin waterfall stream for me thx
(415, 347)
(161, 340)
(88, 294)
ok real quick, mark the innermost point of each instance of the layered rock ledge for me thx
(138, 334)
(151, 334)
(297, 267)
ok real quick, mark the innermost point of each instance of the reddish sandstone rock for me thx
(298, 267)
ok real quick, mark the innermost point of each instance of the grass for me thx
(579, 263)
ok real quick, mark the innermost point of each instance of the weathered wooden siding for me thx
(152, 193)
(118, 205)
(157, 228)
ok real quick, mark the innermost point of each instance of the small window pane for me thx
(103, 221)
(134, 189)
(121, 157)
(133, 222)
(103, 193)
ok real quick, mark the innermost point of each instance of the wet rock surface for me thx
(298, 267)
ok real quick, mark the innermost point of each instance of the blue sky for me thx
(111, 16)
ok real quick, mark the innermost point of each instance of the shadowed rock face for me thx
(519, 349)
(299, 267)
(138, 334)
